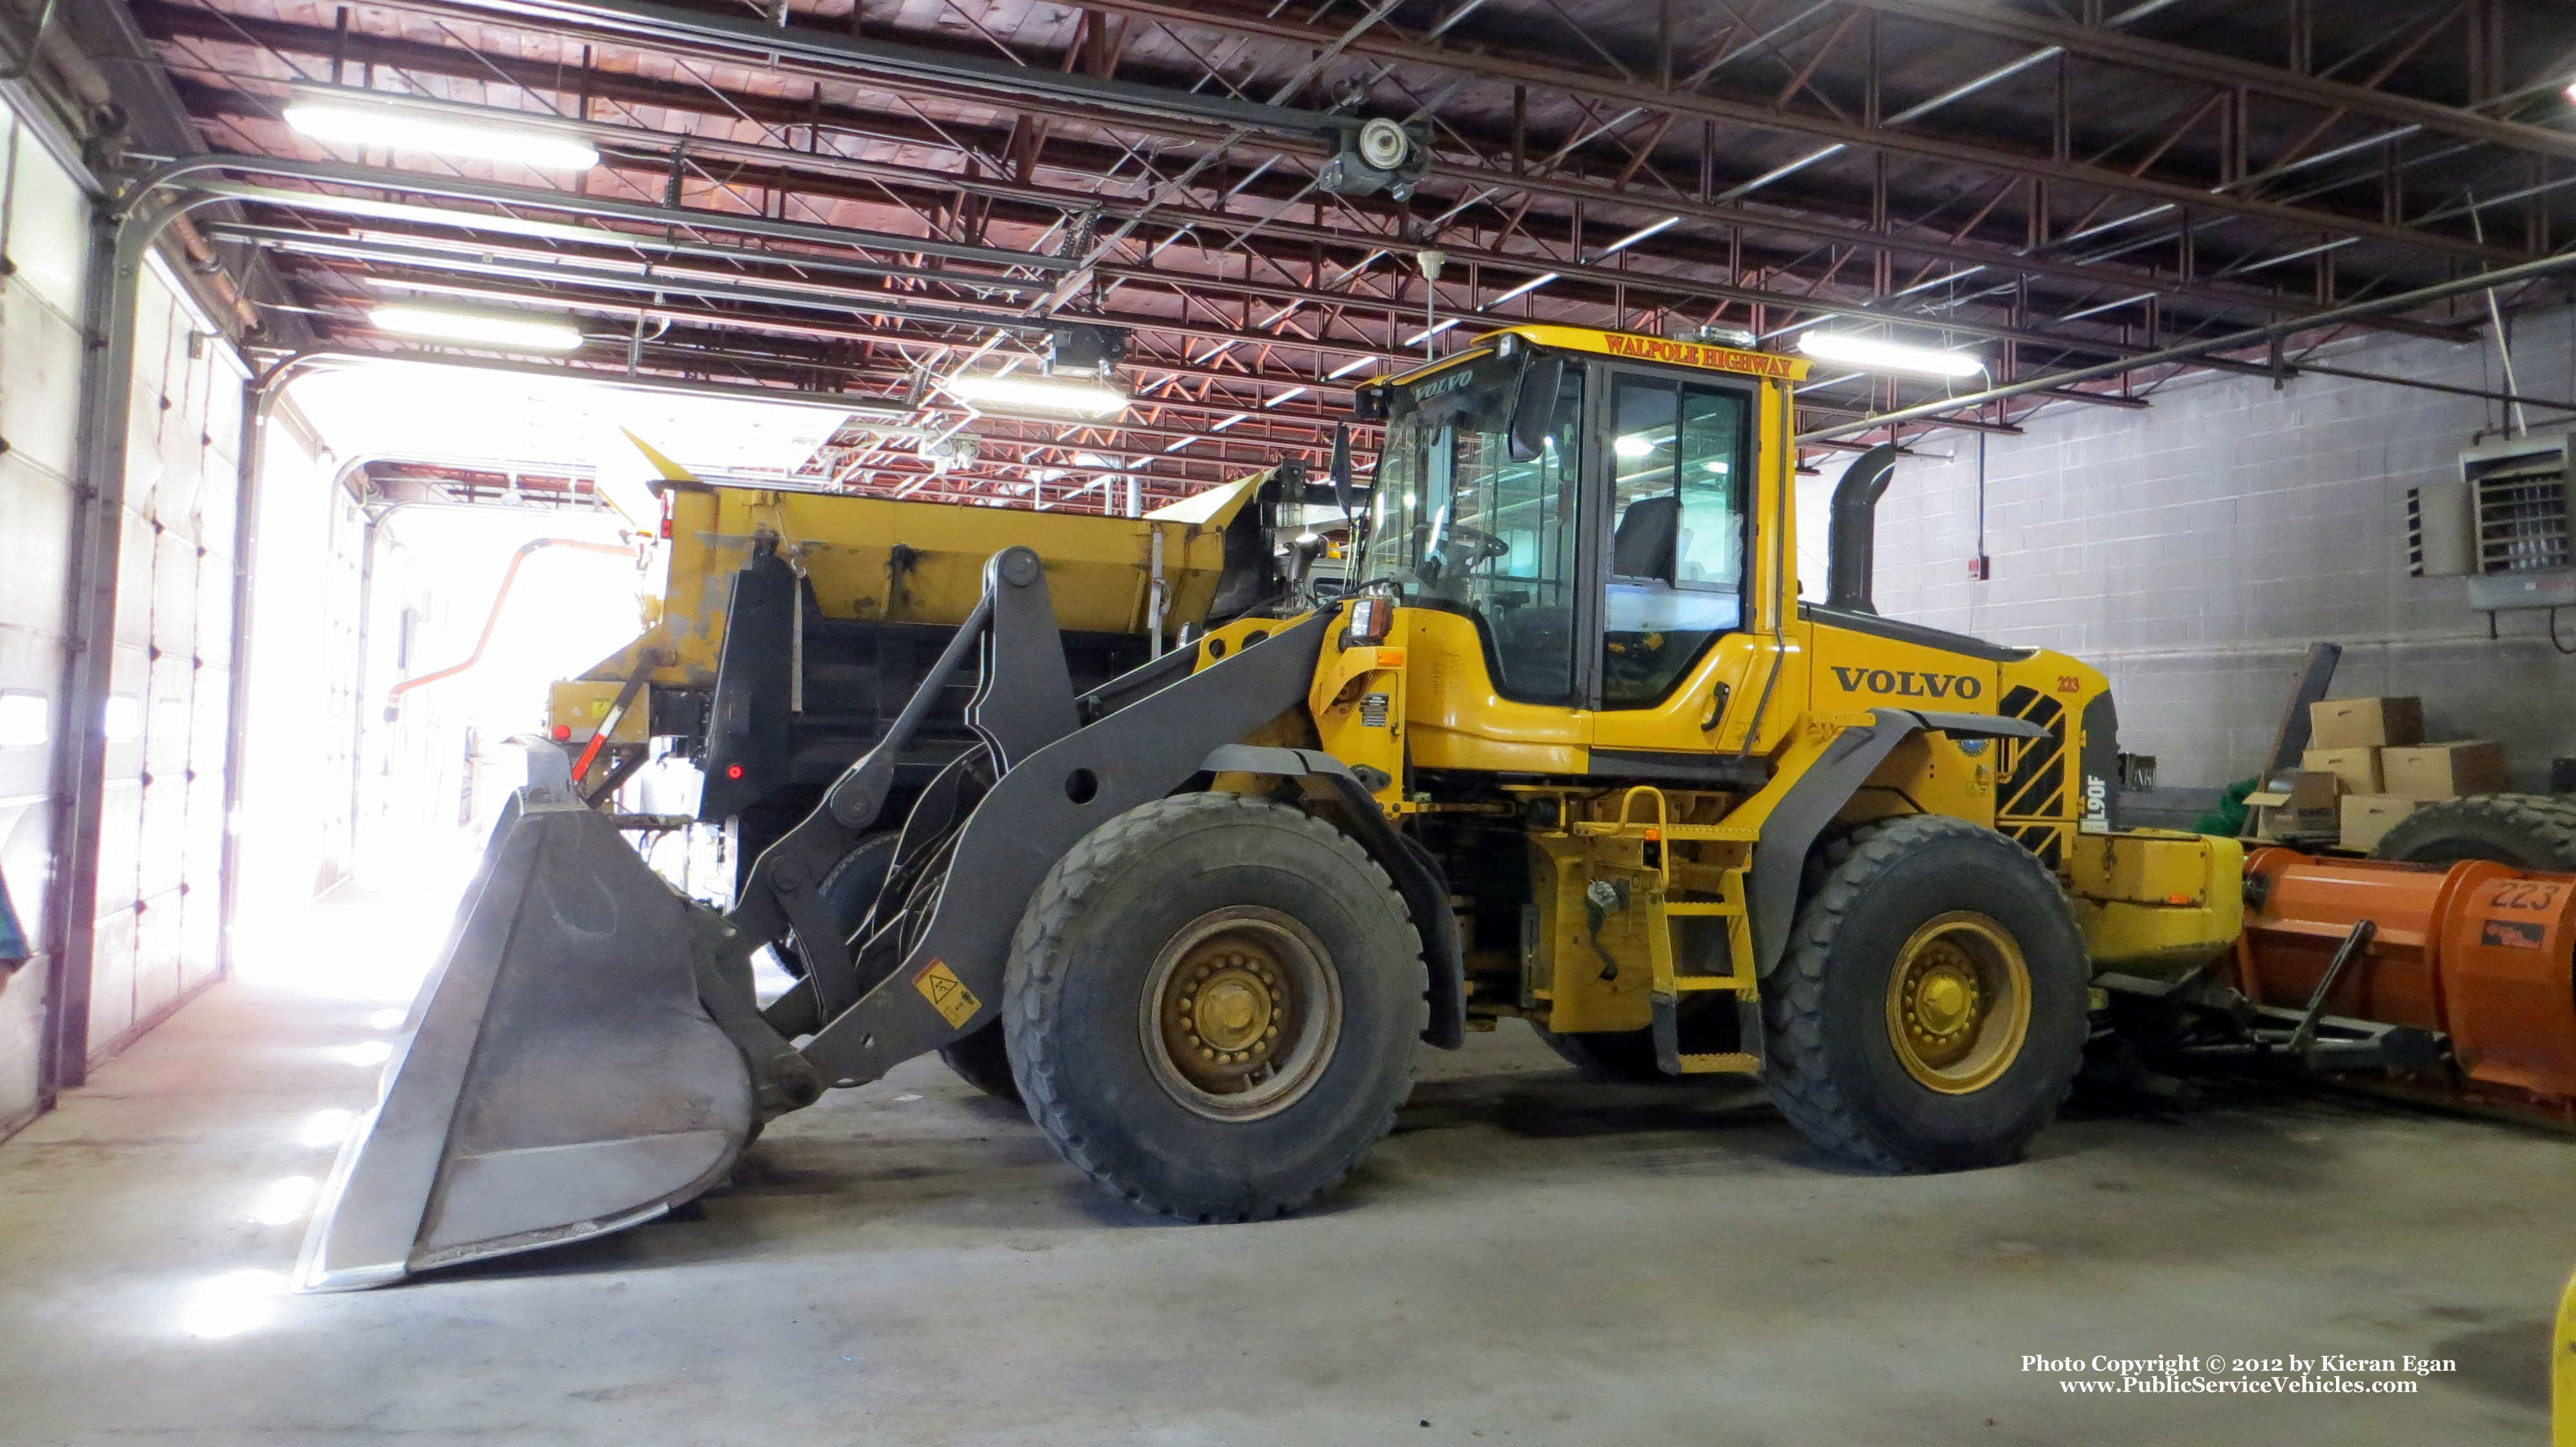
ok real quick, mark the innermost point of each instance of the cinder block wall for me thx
(2194, 550)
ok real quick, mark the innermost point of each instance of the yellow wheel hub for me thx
(1241, 1011)
(1958, 1002)
(1226, 1004)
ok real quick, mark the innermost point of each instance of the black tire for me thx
(982, 1058)
(847, 892)
(1083, 1014)
(2527, 831)
(1607, 1054)
(979, 1059)
(1836, 1069)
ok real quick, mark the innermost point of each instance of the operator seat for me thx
(1643, 546)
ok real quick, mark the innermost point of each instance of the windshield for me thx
(1456, 522)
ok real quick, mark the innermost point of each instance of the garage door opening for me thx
(438, 546)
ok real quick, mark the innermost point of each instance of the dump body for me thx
(785, 628)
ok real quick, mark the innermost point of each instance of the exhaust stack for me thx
(1852, 542)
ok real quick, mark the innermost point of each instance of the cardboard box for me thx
(2360, 723)
(2444, 771)
(2296, 805)
(2357, 768)
(2368, 816)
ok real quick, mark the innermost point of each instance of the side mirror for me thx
(1534, 409)
(1340, 474)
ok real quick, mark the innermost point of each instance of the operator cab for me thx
(1591, 512)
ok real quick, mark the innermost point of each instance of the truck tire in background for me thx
(2527, 831)
(1932, 1007)
(980, 1058)
(1213, 1005)
(847, 891)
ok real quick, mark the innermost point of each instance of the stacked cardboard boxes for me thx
(2373, 752)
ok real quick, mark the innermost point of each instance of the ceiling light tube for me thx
(1346, 368)
(364, 124)
(1524, 289)
(1418, 338)
(1633, 237)
(1284, 396)
(1877, 355)
(489, 329)
(1043, 394)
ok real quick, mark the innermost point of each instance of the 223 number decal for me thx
(2528, 894)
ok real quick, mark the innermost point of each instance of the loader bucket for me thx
(557, 1078)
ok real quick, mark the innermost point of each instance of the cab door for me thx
(1673, 466)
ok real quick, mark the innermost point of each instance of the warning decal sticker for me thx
(946, 993)
(2511, 934)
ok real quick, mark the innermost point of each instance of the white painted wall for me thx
(2194, 550)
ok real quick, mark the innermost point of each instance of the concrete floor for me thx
(1531, 1257)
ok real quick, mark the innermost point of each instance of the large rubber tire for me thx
(1080, 1022)
(1607, 1055)
(2527, 831)
(1835, 1068)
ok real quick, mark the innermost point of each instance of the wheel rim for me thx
(1958, 1003)
(1241, 1013)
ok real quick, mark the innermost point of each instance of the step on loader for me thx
(1570, 749)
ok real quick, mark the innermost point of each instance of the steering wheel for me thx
(1470, 546)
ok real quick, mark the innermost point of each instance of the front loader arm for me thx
(950, 981)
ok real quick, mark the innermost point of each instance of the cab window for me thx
(1676, 454)
(1457, 523)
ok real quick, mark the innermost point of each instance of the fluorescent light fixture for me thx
(1046, 394)
(1418, 338)
(1229, 422)
(1284, 396)
(489, 329)
(1524, 289)
(1632, 446)
(1875, 355)
(1346, 368)
(369, 124)
(1633, 237)
(1091, 460)
(1177, 446)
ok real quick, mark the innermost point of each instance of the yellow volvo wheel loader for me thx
(1569, 749)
